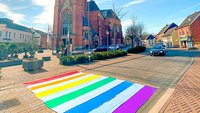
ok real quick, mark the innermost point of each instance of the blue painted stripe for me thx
(101, 99)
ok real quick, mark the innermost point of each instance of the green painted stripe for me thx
(57, 101)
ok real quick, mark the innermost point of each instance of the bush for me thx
(80, 59)
(3, 51)
(71, 60)
(138, 49)
(109, 54)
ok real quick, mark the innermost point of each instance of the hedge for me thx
(71, 60)
(138, 49)
(80, 59)
(107, 55)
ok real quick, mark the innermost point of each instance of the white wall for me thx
(15, 36)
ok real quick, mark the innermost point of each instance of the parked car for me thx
(113, 47)
(121, 46)
(100, 49)
(162, 44)
(158, 50)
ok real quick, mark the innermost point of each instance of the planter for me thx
(8, 63)
(46, 58)
(32, 65)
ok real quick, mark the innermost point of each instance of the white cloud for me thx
(17, 17)
(125, 24)
(47, 15)
(133, 3)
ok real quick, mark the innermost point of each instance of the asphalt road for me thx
(161, 72)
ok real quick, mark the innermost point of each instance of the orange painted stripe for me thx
(51, 78)
(57, 82)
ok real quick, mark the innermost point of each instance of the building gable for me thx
(190, 19)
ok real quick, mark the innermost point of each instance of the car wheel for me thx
(164, 54)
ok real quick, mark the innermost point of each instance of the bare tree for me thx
(134, 30)
(118, 14)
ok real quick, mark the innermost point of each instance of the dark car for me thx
(100, 49)
(158, 50)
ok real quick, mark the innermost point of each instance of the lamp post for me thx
(107, 33)
(57, 46)
(89, 26)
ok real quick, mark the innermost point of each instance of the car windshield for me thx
(157, 47)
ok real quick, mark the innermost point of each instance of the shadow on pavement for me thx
(37, 71)
(9, 104)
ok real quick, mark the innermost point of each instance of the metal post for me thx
(107, 33)
(89, 25)
(57, 51)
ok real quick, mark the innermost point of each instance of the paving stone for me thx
(186, 98)
(16, 98)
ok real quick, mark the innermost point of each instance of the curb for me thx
(169, 92)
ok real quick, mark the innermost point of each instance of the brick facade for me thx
(195, 28)
(78, 29)
(190, 29)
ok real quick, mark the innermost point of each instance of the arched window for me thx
(67, 24)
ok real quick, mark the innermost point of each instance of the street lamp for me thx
(107, 33)
(57, 46)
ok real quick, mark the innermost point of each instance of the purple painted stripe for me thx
(136, 101)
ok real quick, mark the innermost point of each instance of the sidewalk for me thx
(15, 97)
(186, 97)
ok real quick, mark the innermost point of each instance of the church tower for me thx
(68, 22)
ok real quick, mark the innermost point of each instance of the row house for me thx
(11, 32)
(168, 35)
(80, 24)
(150, 40)
(189, 31)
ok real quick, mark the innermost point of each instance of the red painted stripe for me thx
(51, 78)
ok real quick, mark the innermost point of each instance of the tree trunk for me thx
(132, 42)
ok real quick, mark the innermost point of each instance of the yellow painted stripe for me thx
(67, 86)
(57, 82)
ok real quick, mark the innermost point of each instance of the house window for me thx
(86, 35)
(183, 32)
(14, 35)
(0, 33)
(20, 36)
(6, 34)
(9, 34)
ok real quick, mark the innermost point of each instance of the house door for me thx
(185, 44)
(96, 43)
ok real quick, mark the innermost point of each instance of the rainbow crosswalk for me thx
(77, 92)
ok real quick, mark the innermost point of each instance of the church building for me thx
(81, 24)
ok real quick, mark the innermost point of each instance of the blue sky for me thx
(154, 14)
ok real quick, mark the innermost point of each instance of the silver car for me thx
(113, 47)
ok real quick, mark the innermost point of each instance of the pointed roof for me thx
(190, 19)
(108, 13)
(170, 31)
(167, 27)
(150, 37)
(93, 6)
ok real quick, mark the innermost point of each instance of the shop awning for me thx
(182, 39)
